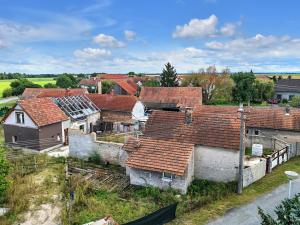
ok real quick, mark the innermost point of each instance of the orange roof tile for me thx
(109, 102)
(177, 96)
(51, 92)
(161, 156)
(43, 111)
(112, 76)
(128, 87)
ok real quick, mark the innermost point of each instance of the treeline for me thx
(6, 76)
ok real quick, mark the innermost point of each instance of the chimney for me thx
(99, 87)
(188, 115)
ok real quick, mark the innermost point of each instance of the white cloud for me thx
(228, 29)
(129, 35)
(197, 28)
(60, 28)
(108, 41)
(91, 53)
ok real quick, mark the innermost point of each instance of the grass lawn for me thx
(219, 207)
(118, 138)
(40, 80)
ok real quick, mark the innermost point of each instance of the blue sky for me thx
(118, 36)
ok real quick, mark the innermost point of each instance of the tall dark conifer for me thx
(169, 77)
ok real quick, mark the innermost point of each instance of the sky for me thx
(118, 36)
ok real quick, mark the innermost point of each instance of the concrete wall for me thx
(266, 135)
(255, 169)
(216, 164)
(83, 145)
(151, 178)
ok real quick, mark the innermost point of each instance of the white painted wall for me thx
(138, 112)
(11, 119)
(216, 164)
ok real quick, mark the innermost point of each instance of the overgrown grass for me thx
(219, 207)
(118, 138)
(28, 191)
(91, 204)
(266, 151)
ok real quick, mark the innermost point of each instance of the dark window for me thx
(81, 127)
(20, 117)
(256, 132)
(279, 97)
(290, 97)
(247, 131)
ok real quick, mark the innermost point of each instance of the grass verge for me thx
(219, 207)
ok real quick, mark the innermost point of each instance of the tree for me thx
(7, 92)
(215, 87)
(288, 213)
(244, 86)
(18, 86)
(50, 85)
(4, 170)
(169, 77)
(131, 74)
(66, 81)
(107, 86)
(295, 101)
(262, 91)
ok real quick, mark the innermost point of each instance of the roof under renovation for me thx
(77, 107)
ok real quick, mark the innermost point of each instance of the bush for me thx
(50, 85)
(95, 158)
(4, 169)
(7, 92)
(288, 212)
(284, 101)
(295, 101)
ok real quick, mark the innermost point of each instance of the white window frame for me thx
(22, 117)
(166, 177)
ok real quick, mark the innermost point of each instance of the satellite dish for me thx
(291, 174)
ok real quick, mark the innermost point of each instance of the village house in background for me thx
(119, 113)
(37, 124)
(122, 84)
(51, 92)
(170, 98)
(287, 88)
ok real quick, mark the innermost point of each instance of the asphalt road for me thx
(247, 214)
(4, 100)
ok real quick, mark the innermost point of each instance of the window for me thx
(167, 176)
(81, 127)
(247, 131)
(14, 139)
(279, 97)
(256, 132)
(147, 174)
(291, 97)
(20, 117)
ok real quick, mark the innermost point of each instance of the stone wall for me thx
(83, 145)
(216, 164)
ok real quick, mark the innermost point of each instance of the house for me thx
(123, 84)
(36, 124)
(171, 98)
(119, 113)
(51, 92)
(287, 88)
(178, 147)
(83, 113)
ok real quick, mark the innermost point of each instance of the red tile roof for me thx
(123, 103)
(112, 76)
(177, 96)
(215, 130)
(161, 156)
(132, 144)
(42, 111)
(51, 92)
(93, 81)
(262, 117)
(128, 87)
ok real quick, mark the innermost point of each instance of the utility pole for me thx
(242, 149)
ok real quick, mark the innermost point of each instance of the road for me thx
(5, 100)
(247, 214)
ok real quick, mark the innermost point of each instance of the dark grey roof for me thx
(288, 85)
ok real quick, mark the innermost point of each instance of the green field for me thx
(41, 81)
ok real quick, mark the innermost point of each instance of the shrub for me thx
(4, 170)
(295, 101)
(288, 212)
(50, 85)
(7, 92)
(284, 101)
(95, 158)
